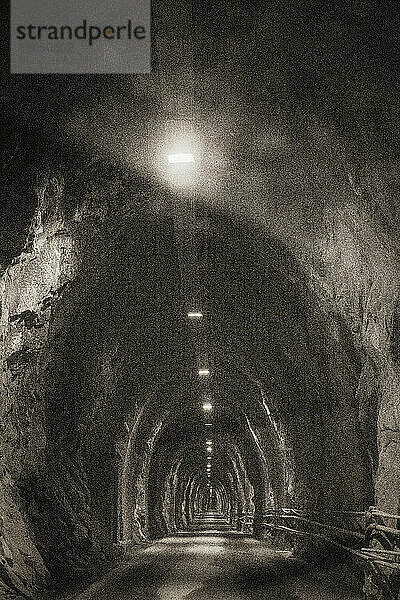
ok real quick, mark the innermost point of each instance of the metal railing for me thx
(244, 523)
(370, 540)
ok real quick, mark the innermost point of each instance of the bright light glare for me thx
(195, 315)
(209, 443)
(204, 371)
(174, 159)
(207, 406)
(209, 449)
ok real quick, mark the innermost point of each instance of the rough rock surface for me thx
(94, 395)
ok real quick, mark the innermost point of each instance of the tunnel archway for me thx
(277, 441)
(283, 238)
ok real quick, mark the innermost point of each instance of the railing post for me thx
(381, 581)
(239, 521)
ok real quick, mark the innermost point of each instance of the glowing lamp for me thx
(204, 372)
(177, 159)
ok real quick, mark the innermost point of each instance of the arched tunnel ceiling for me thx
(293, 230)
(315, 108)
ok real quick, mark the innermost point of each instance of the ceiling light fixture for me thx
(203, 372)
(180, 158)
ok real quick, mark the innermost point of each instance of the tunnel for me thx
(200, 313)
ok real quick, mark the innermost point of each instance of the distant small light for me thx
(207, 406)
(180, 158)
(204, 371)
(208, 424)
(195, 315)
(209, 443)
(209, 449)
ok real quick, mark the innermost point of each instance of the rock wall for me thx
(67, 387)
(79, 367)
(30, 287)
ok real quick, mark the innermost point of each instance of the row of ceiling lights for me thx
(184, 158)
(207, 406)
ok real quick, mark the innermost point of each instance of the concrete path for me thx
(215, 567)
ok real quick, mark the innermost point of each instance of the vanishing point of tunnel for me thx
(200, 313)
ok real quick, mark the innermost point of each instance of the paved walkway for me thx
(215, 567)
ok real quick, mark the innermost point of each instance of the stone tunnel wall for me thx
(67, 388)
(30, 287)
(63, 305)
(359, 286)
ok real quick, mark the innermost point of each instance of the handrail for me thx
(380, 564)
(324, 525)
(381, 550)
(380, 556)
(371, 511)
(360, 554)
(390, 530)
(305, 511)
(312, 534)
(380, 513)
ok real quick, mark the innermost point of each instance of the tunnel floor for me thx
(217, 566)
